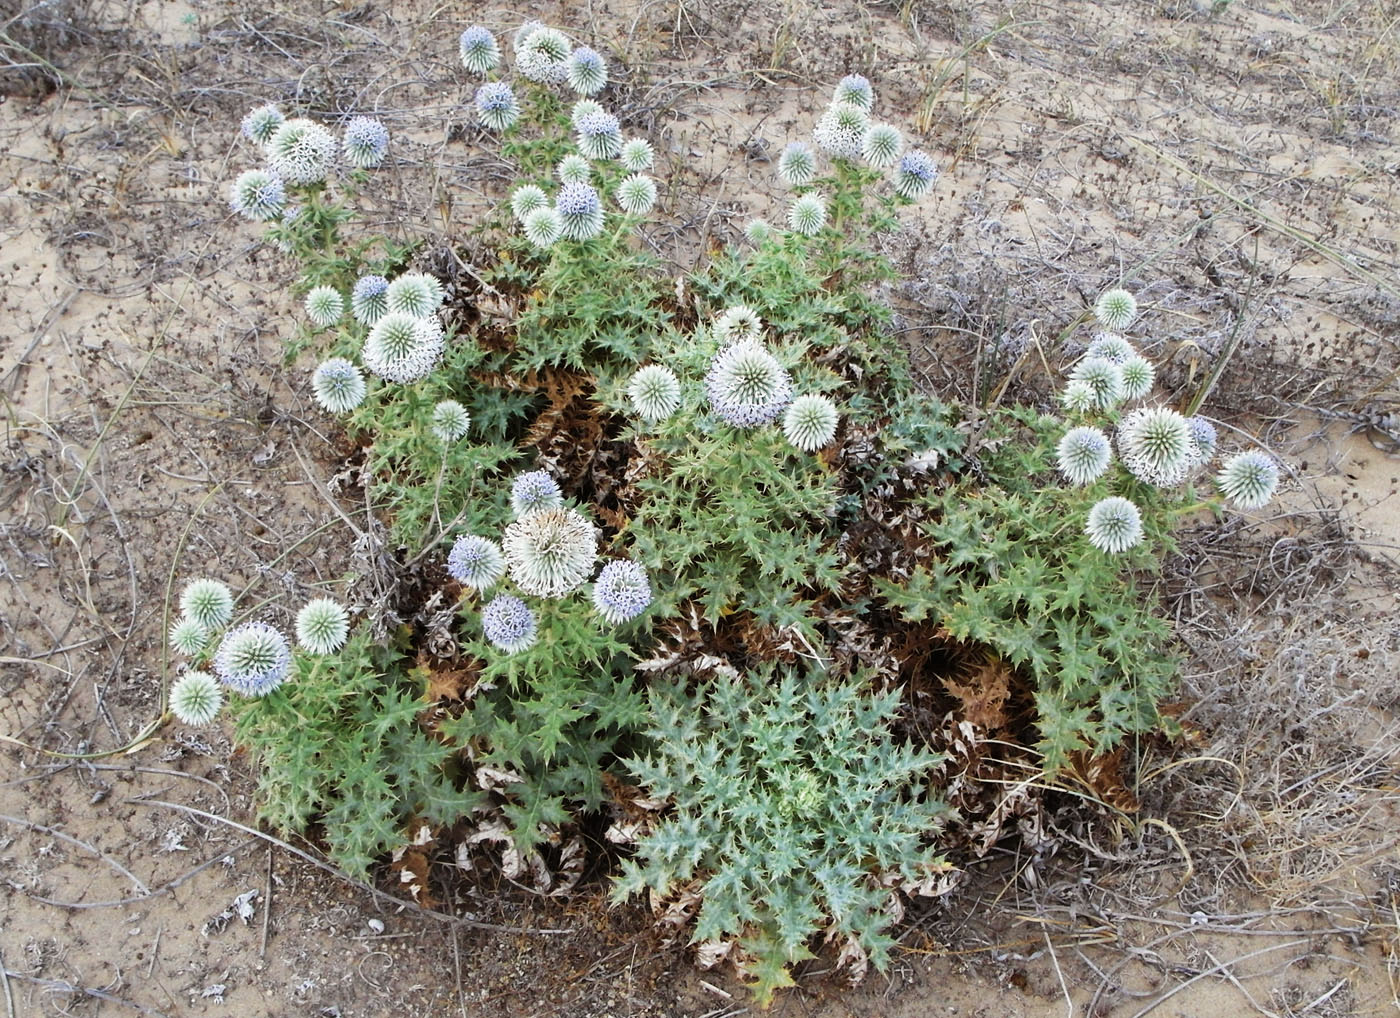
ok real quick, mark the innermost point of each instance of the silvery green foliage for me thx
(1083, 454)
(1114, 525)
(747, 386)
(402, 347)
(1248, 479)
(365, 143)
(550, 553)
(301, 152)
(798, 164)
(253, 659)
(636, 155)
(916, 175)
(793, 806)
(258, 195)
(208, 602)
(496, 105)
(1103, 378)
(587, 71)
(655, 392)
(324, 306)
(262, 123)
(807, 214)
(195, 698)
(369, 300)
(478, 49)
(621, 592)
(882, 145)
(475, 562)
(322, 625)
(809, 422)
(840, 132)
(337, 385)
(1155, 445)
(636, 194)
(542, 54)
(1116, 309)
(188, 637)
(509, 624)
(450, 420)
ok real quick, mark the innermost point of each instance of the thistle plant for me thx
(476, 562)
(337, 385)
(496, 105)
(403, 347)
(258, 195)
(324, 306)
(1116, 309)
(1083, 455)
(621, 592)
(587, 71)
(195, 698)
(365, 143)
(636, 194)
(550, 552)
(636, 155)
(1248, 479)
(655, 392)
(261, 123)
(508, 623)
(188, 637)
(209, 603)
(1115, 525)
(478, 49)
(450, 421)
(253, 659)
(301, 152)
(809, 422)
(322, 625)
(534, 492)
(797, 165)
(747, 386)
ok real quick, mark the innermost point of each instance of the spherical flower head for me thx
(524, 32)
(1083, 454)
(543, 56)
(450, 421)
(534, 492)
(757, 231)
(1078, 398)
(1203, 439)
(1105, 379)
(324, 306)
(1248, 479)
(478, 49)
(509, 624)
(621, 592)
(1111, 347)
(855, 89)
(188, 637)
(403, 348)
(573, 169)
(841, 130)
(525, 199)
(1155, 445)
(1115, 525)
(636, 155)
(414, 293)
(1138, 376)
(809, 422)
(208, 602)
(369, 300)
(580, 211)
(655, 392)
(195, 698)
(475, 562)
(496, 106)
(301, 152)
(337, 385)
(916, 175)
(747, 386)
(882, 145)
(583, 108)
(258, 195)
(544, 227)
(738, 323)
(322, 626)
(807, 214)
(798, 164)
(550, 553)
(587, 72)
(599, 136)
(262, 123)
(1116, 309)
(636, 194)
(253, 659)
(365, 143)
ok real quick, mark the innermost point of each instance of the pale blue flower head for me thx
(1083, 454)
(1138, 376)
(365, 143)
(807, 214)
(1114, 525)
(747, 386)
(809, 422)
(195, 698)
(1078, 398)
(1155, 445)
(188, 637)
(636, 194)
(508, 623)
(301, 152)
(324, 306)
(534, 492)
(573, 169)
(322, 626)
(621, 592)
(599, 136)
(1115, 309)
(738, 323)
(882, 145)
(414, 293)
(855, 89)
(1111, 347)
(543, 55)
(550, 553)
(798, 164)
(261, 123)
(337, 385)
(253, 659)
(1103, 377)
(655, 392)
(450, 421)
(916, 175)
(208, 602)
(840, 132)
(1203, 440)
(479, 50)
(475, 562)
(496, 105)
(403, 348)
(369, 300)
(583, 108)
(580, 211)
(258, 195)
(544, 227)
(587, 71)
(1248, 479)
(525, 199)
(636, 155)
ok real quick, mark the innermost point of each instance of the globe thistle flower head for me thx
(301, 152)
(583, 108)
(496, 106)
(524, 32)
(1078, 398)
(262, 123)
(807, 214)
(534, 492)
(1111, 347)
(1138, 376)
(544, 227)
(580, 211)
(414, 293)
(365, 143)
(324, 306)
(599, 136)
(369, 300)
(1155, 445)
(524, 200)
(253, 659)
(587, 72)
(475, 562)
(509, 624)
(450, 421)
(757, 231)
(207, 602)
(855, 89)
(195, 698)
(479, 50)
(1115, 309)
(621, 592)
(840, 132)
(188, 637)
(738, 323)
(882, 145)
(636, 155)
(402, 347)
(258, 195)
(1083, 454)
(322, 626)
(550, 553)
(636, 194)
(1114, 525)
(337, 385)
(1203, 439)
(573, 169)
(543, 56)
(1105, 379)
(747, 386)
(916, 175)
(1248, 479)
(809, 422)
(655, 392)
(798, 164)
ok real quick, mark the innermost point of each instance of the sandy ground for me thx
(1238, 168)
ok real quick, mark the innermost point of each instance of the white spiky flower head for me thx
(403, 348)
(757, 231)
(636, 155)
(798, 164)
(525, 199)
(1078, 398)
(475, 562)
(508, 623)
(496, 105)
(322, 626)
(580, 211)
(1111, 347)
(1083, 454)
(365, 143)
(208, 602)
(1114, 525)
(1248, 479)
(809, 422)
(544, 227)
(301, 152)
(414, 293)
(573, 169)
(450, 421)
(478, 49)
(807, 214)
(195, 698)
(543, 55)
(262, 123)
(840, 132)
(882, 145)
(369, 300)
(1115, 309)
(1104, 378)
(1138, 376)
(636, 194)
(916, 175)
(655, 392)
(855, 89)
(599, 136)
(747, 386)
(324, 306)
(534, 492)
(738, 323)
(587, 71)
(258, 195)
(1203, 440)
(337, 385)
(1155, 445)
(583, 108)
(550, 553)
(188, 637)
(253, 659)
(621, 592)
